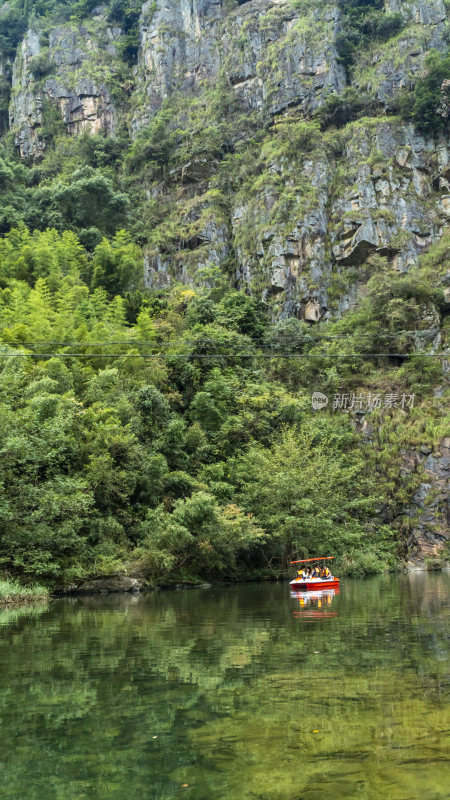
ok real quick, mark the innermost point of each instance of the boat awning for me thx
(304, 560)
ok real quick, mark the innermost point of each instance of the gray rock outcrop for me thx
(431, 502)
(391, 67)
(274, 54)
(84, 102)
(112, 584)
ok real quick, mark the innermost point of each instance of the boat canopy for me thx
(304, 560)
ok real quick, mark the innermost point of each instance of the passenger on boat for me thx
(305, 574)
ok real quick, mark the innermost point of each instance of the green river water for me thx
(230, 693)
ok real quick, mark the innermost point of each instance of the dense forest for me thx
(166, 430)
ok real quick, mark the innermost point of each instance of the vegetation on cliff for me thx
(183, 445)
(430, 102)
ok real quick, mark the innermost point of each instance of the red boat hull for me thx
(299, 585)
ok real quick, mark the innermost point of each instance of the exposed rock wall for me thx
(384, 189)
(25, 115)
(392, 206)
(388, 68)
(431, 503)
(275, 54)
(386, 192)
(77, 63)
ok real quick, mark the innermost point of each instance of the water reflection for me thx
(221, 693)
(315, 605)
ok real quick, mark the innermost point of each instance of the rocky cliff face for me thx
(385, 192)
(68, 73)
(431, 503)
(26, 105)
(306, 221)
(275, 54)
(385, 70)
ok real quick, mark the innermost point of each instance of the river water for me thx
(230, 693)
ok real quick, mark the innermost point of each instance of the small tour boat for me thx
(310, 584)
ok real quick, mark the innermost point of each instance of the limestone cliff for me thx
(431, 501)
(385, 191)
(275, 54)
(70, 70)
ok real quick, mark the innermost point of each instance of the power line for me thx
(223, 355)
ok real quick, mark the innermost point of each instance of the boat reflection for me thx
(315, 605)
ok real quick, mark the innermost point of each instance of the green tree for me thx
(307, 493)
(117, 265)
(428, 105)
(199, 538)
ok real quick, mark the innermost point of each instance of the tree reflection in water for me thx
(223, 690)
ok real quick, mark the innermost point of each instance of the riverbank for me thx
(120, 583)
(14, 593)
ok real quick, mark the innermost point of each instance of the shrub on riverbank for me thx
(364, 563)
(11, 591)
